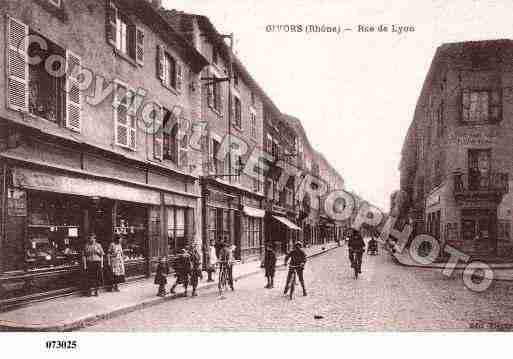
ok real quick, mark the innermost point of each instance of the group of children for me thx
(187, 267)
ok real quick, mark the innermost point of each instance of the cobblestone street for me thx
(385, 297)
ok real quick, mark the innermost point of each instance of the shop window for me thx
(132, 226)
(124, 35)
(53, 231)
(176, 220)
(480, 106)
(252, 233)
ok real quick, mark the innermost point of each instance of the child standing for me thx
(161, 276)
(269, 265)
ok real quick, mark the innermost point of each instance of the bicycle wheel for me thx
(292, 284)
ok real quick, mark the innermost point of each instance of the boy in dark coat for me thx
(269, 265)
(161, 276)
(182, 268)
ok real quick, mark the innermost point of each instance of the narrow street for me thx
(386, 297)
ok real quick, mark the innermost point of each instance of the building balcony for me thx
(468, 186)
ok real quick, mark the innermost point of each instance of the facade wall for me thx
(115, 190)
(441, 147)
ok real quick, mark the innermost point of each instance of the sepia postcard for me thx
(274, 167)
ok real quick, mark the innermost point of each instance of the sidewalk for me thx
(501, 271)
(64, 314)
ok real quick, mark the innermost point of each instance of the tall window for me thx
(46, 98)
(481, 106)
(169, 69)
(124, 117)
(237, 112)
(124, 35)
(253, 124)
(440, 121)
(269, 144)
(215, 55)
(170, 139)
(253, 98)
(235, 78)
(214, 93)
(217, 164)
(479, 162)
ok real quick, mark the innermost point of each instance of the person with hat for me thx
(297, 263)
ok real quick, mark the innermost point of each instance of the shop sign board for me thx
(45, 181)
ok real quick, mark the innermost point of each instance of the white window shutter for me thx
(73, 94)
(17, 65)
(179, 75)
(160, 63)
(158, 134)
(120, 117)
(132, 126)
(139, 45)
(111, 23)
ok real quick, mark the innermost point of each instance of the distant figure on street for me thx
(182, 268)
(297, 263)
(195, 268)
(161, 276)
(92, 262)
(212, 260)
(269, 265)
(356, 247)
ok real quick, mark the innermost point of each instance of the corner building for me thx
(456, 159)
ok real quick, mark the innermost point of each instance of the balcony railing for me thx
(491, 186)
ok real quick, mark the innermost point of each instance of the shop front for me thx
(48, 215)
(233, 215)
(280, 229)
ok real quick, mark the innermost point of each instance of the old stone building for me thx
(456, 158)
(86, 83)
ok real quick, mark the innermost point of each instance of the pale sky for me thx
(355, 93)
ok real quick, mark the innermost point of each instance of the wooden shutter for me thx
(139, 45)
(112, 17)
(182, 143)
(17, 65)
(158, 134)
(120, 116)
(132, 132)
(160, 63)
(210, 89)
(73, 94)
(179, 75)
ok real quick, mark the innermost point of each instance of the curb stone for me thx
(93, 319)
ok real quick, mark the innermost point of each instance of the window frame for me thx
(131, 130)
(489, 104)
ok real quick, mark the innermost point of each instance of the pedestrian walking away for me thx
(195, 269)
(161, 276)
(182, 266)
(269, 264)
(92, 263)
(356, 247)
(297, 263)
(116, 263)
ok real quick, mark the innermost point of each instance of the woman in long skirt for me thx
(116, 263)
(92, 262)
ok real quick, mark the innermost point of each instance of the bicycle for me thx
(223, 277)
(291, 284)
